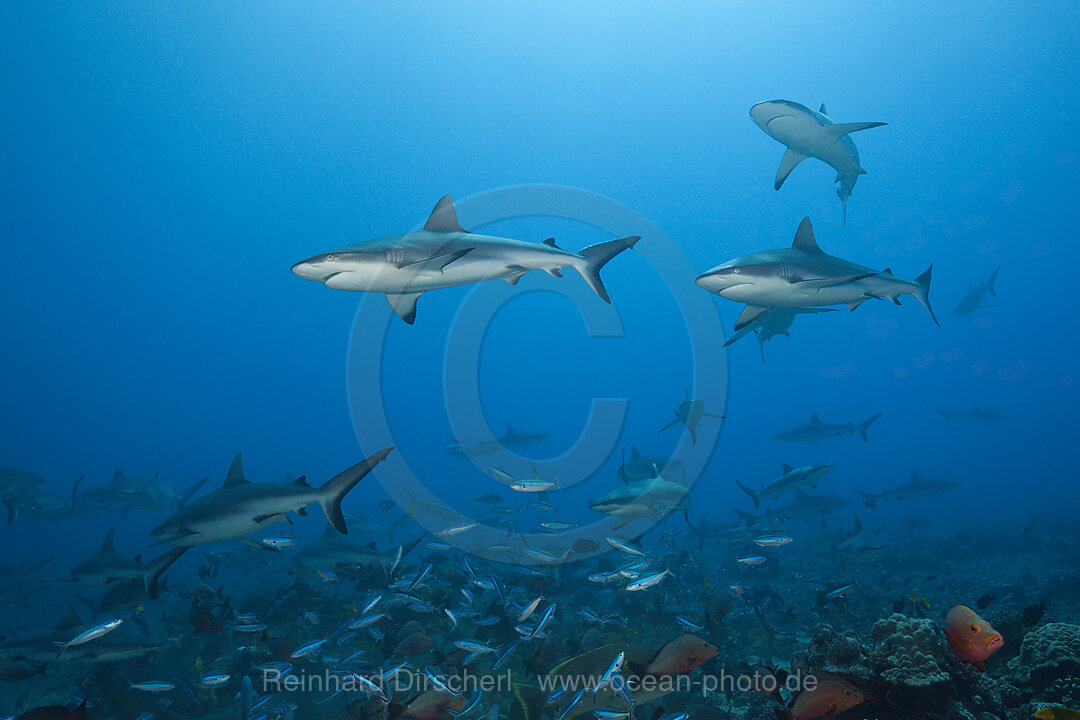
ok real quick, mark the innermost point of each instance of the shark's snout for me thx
(316, 268)
(304, 269)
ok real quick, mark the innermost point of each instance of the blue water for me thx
(165, 165)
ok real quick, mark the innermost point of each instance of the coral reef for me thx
(1049, 654)
(908, 652)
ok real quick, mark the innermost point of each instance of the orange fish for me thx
(680, 656)
(832, 695)
(970, 637)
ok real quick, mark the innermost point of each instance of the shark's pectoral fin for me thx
(272, 518)
(172, 539)
(791, 158)
(404, 304)
(515, 273)
(748, 315)
(815, 285)
(436, 265)
(839, 129)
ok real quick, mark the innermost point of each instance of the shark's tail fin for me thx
(865, 425)
(183, 497)
(596, 256)
(335, 490)
(991, 279)
(154, 570)
(847, 184)
(753, 495)
(923, 293)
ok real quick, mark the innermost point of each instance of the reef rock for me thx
(909, 652)
(1050, 653)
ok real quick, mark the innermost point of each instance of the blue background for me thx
(164, 165)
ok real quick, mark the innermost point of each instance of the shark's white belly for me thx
(809, 138)
(389, 278)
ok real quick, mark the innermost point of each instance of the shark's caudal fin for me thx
(990, 281)
(865, 425)
(923, 294)
(335, 489)
(596, 256)
(753, 495)
(157, 567)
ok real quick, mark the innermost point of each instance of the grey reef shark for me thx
(812, 133)
(804, 276)
(442, 255)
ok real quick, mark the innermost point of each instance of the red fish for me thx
(433, 705)
(680, 656)
(832, 695)
(971, 638)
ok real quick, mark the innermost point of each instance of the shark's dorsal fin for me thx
(815, 420)
(787, 468)
(301, 481)
(550, 242)
(822, 109)
(107, 546)
(444, 217)
(370, 546)
(887, 271)
(634, 452)
(510, 430)
(68, 619)
(916, 478)
(804, 238)
(116, 475)
(235, 476)
(858, 525)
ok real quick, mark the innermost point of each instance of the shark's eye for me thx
(736, 270)
(329, 258)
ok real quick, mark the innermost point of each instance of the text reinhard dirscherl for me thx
(406, 683)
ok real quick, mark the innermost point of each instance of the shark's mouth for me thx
(328, 277)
